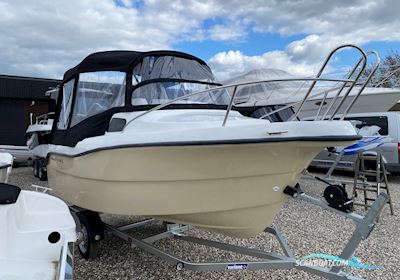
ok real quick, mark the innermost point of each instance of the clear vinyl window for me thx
(156, 67)
(163, 92)
(98, 92)
(68, 89)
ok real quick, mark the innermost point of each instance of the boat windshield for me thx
(163, 92)
(170, 77)
(155, 80)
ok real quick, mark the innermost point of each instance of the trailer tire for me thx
(35, 168)
(92, 234)
(42, 173)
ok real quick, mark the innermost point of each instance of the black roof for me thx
(119, 61)
(19, 87)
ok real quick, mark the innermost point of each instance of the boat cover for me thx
(105, 83)
(281, 91)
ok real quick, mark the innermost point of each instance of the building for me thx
(22, 99)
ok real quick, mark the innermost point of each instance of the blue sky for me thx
(45, 38)
(253, 44)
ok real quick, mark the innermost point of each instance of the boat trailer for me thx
(93, 230)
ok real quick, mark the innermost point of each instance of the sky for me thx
(44, 38)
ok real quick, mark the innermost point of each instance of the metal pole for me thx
(158, 107)
(228, 110)
(364, 58)
(322, 70)
(363, 229)
(341, 89)
(377, 62)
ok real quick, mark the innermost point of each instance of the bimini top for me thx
(121, 81)
(126, 61)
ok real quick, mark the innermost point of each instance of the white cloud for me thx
(44, 38)
(328, 23)
(229, 31)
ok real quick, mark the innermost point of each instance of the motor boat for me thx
(37, 136)
(373, 99)
(154, 134)
(21, 154)
(37, 233)
(6, 163)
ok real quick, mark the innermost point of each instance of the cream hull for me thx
(235, 189)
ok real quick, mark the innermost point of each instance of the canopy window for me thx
(66, 102)
(171, 67)
(163, 92)
(98, 92)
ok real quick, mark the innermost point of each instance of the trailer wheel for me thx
(42, 173)
(35, 168)
(92, 234)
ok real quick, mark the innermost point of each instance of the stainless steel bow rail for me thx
(347, 85)
(93, 232)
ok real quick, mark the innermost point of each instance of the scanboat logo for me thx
(324, 260)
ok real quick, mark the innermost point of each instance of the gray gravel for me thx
(307, 228)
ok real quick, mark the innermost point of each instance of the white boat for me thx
(38, 133)
(38, 139)
(21, 154)
(153, 134)
(373, 99)
(37, 233)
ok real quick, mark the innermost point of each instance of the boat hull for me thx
(376, 102)
(235, 189)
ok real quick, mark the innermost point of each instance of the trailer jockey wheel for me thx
(337, 198)
(92, 233)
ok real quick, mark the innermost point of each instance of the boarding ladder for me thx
(369, 179)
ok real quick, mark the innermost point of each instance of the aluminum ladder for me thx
(369, 179)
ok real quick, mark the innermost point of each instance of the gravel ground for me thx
(307, 228)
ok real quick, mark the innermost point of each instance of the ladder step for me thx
(369, 172)
(377, 183)
(369, 157)
(371, 189)
(369, 185)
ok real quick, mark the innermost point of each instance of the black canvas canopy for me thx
(123, 61)
(105, 83)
